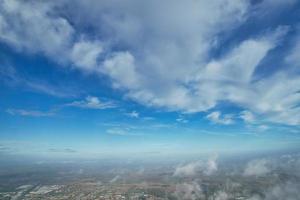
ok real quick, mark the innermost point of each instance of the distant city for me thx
(246, 177)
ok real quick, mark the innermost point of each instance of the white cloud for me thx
(162, 59)
(191, 169)
(31, 26)
(288, 190)
(247, 116)
(216, 117)
(182, 120)
(84, 54)
(91, 102)
(257, 168)
(121, 68)
(31, 113)
(263, 127)
(117, 131)
(125, 131)
(211, 165)
(134, 114)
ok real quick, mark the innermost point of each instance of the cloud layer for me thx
(162, 54)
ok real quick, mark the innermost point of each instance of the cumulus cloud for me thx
(216, 117)
(84, 54)
(189, 169)
(211, 165)
(257, 168)
(163, 59)
(34, 28)
(192, 168)
(247, 116)
(92, 102)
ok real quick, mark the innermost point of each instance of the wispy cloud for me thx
(91, 102)
(31, 113)
(138, 129)
(117, 131)
(181, 119)
(257, 168)
(133, 114)
(66, 150)
(10, 76)
(124, 131)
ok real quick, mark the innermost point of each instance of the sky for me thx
(130, 77)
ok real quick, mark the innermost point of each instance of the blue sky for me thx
(115, 77)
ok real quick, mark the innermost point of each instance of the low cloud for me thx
(189, 169)
(193, 168)
(288, 191)
(257, 168)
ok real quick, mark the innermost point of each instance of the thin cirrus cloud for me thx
(30, 113)
(174, 68)
(10, 76)
(91, 102)
(133, 114)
